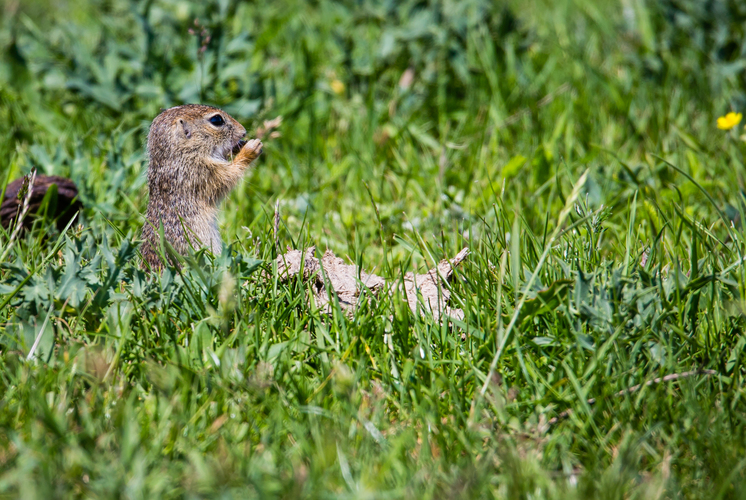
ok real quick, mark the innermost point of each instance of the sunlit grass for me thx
(570, 145)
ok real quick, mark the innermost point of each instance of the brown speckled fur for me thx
(190, 172)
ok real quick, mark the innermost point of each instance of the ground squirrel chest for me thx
(197, 155)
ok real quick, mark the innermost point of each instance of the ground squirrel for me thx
(196, 156)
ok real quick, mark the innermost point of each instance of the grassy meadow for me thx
(572, 145)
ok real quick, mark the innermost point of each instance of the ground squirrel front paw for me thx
(249, 152)
(253, 148)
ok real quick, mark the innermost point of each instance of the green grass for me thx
(570, 144)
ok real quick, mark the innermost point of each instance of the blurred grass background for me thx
(409, 130)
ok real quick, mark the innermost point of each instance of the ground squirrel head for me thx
(188, 146)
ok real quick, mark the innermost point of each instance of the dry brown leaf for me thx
(427, 291)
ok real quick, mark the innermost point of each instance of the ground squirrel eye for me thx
(217, 120)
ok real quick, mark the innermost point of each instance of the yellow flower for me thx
(337, 86)
(729, 121)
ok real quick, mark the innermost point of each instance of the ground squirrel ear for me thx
(187, 132)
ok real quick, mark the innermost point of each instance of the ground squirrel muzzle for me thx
(197, 155)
